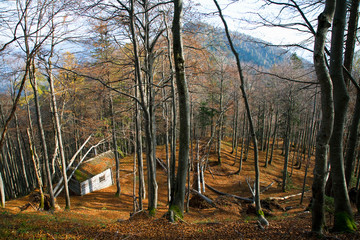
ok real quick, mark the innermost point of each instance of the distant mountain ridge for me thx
(251, 50)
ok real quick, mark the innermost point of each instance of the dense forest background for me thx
(82, 78)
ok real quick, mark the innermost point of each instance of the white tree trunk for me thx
(2, 192)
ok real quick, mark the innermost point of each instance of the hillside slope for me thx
(251, 50)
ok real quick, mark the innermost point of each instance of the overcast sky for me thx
(239, 14)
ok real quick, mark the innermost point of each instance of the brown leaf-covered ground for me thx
(101, 215)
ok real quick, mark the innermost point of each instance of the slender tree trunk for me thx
(262, 143)
(274, 137)
(27, 185)
(268, 135)
(177, 203)
(149, 130)
(166, 120)
(287, 149)
(323, 137)
(173, 114)
(47, 173)
(259, 212)
(37, 171)
(115, 147)
(139, 153)
(2, 191)
(343, 212)
(58, 134)
(242, 143)
(135, 206)
(221, 120)
(296, 151)
(234, 142)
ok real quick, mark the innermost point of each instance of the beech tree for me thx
(259, 212)
(323, 137)
(343, 211)
(177, 203)
(348, 62)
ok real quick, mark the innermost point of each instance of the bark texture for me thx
(177, 203)
(327, 108)
(343, 212)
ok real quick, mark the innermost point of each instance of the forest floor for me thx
(101, 215)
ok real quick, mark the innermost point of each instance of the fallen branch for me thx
(208, 167)
(61, 187)
(251, 189)
(77, 153)
(162, 164)
(208, 200)
(230, 195)
(286, 197)
(267, 187)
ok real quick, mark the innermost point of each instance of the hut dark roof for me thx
(95, 166)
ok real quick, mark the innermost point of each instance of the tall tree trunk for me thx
(177, 203)
(58, 134)
(262, 142)
(348, 62)
(115, 147)
(274, 137)
(327, 108)
(47, 173)
(244, 126)
(150, 154)
(268, 135)
(287, 148)
(139, 153)
(166, 120)
(343, 212)
(191, 160)
(135, 205)
(173, 114)
(221, 120)
(234, 142)
(259, 212)
(150, 120)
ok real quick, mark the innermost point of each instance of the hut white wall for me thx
(97, 182)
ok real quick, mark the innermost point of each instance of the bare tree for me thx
(343, 211)
(259, 212)
(327, 108)
(177, 203)
(348, 62)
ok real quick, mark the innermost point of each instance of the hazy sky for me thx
(239, 14)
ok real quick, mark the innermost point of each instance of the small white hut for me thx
(93, 174)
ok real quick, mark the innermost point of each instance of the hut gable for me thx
(94, 174)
